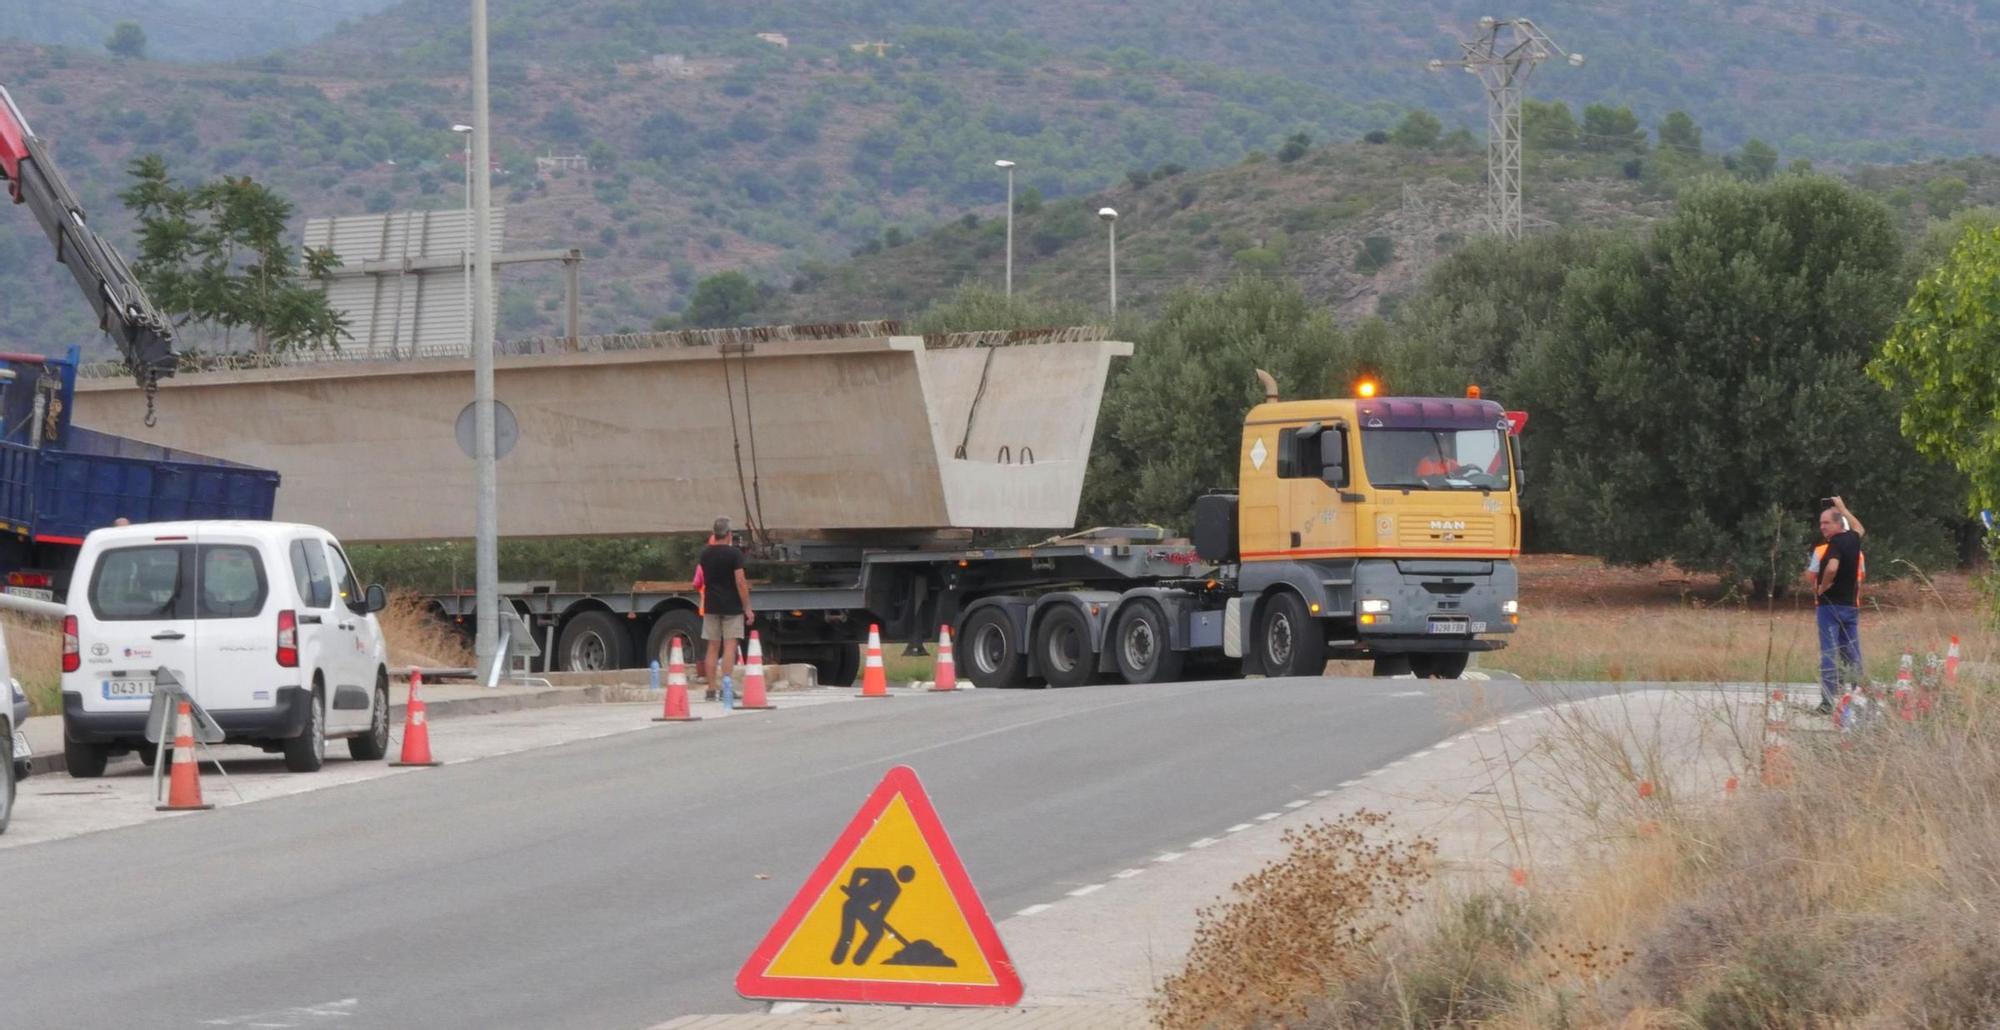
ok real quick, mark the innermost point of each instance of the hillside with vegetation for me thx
(873, 121)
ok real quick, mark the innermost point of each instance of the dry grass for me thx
(34, 650)
(416, 637)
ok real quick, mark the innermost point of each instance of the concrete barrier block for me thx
(797, 676)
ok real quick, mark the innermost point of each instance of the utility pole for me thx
(1110, 217)
(1008, 167)
(486, 528)
(1503, 66)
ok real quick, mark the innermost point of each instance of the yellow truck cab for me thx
(1368, 527)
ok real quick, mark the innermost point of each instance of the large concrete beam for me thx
(848, 434)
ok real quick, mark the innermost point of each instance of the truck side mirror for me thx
(378, 599)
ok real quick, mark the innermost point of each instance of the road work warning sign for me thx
(889, 917)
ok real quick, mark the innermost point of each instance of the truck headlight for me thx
(1510, 607)
(1374, 606)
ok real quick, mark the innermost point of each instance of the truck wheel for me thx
(990, 651)
(85, 761)
(1392, 664)
(1143, 647)
(1062, 647)
(374, 745)
(674, 624)
(593, 642)
(1441, 666)
(837, 666)
(307, 752)
(1290, 640)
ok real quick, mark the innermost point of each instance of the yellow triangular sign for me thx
(888, 917)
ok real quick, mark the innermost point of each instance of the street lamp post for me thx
(1110, 217)
(486, 520)
(1008, 167)
(465, 252)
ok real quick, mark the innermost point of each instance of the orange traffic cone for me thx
(874, 681)
(1906, 704)
(416, 728)
(184, 791)
(753, 699)
(1777, 770)
(676, 708)
(947, 668)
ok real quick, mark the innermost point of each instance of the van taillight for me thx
(30, 579)
(288, 639)
(72, 654)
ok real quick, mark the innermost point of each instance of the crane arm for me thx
(144, 336)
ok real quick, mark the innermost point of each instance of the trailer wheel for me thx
(674, 624)
(593, 642)
(1444, 665)
(1289, 639)
(834, 665)
(1063, 648)
(1142, 645)
(990, 650)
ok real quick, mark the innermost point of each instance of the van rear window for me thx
(163, 581)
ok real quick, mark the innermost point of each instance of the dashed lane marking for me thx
(1034, 910)
(1086, 889)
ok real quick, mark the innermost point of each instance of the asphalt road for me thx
(613, 882)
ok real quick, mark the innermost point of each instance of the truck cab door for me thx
(1312, 473)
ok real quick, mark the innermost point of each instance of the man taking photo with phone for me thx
(1837, 590)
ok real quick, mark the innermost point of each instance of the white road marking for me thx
(1328, 793)
(1087, 889)
(786, 1008)
(1344, 784)
(1441, 745)
(1372, 773)
(1297, 804)
(298, 1015)
(1202, 843)
(1031, 910)
(1267, 817)
(1238, 828)
(1126, 874)
(1409, 693)
(1168, 856)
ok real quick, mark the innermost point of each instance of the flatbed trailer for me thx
(826, 596)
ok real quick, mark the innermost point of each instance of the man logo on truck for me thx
(1449, 524)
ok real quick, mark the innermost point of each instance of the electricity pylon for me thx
(1503, 66)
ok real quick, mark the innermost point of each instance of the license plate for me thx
(1456, 626)
(33, 593)
(121, 689)
(21, 751)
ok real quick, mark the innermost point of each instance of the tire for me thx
(1141, 644)
(307, 752)
(989, 650)
(7, 778)
(147, 756)
(85, 761)
(1392, 665)
(1063, 648)
(674, 623)
(594, 641)
(1289, 640)
(1443, 665)
(373, 746)
(838, 665)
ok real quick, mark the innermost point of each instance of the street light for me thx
(465, 251)
(1110, 217)
(1008, 167)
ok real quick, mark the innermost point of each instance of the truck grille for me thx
(1423, 530)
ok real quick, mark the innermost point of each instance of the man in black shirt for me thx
(725, 609)
(1838, 592)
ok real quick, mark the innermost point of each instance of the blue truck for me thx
(59, 481)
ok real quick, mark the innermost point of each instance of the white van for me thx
(262, 621)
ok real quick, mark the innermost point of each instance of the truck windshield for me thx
(1436, 459)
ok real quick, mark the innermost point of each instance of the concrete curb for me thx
(49, 763)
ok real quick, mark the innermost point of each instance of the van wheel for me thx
(1063, 648)
(1290, 641)
(1143, 647)
(85, 761)
(990, 651)
(307, 751)
(374, 745)
(593, 642)
(6, 781)
(147, 756)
